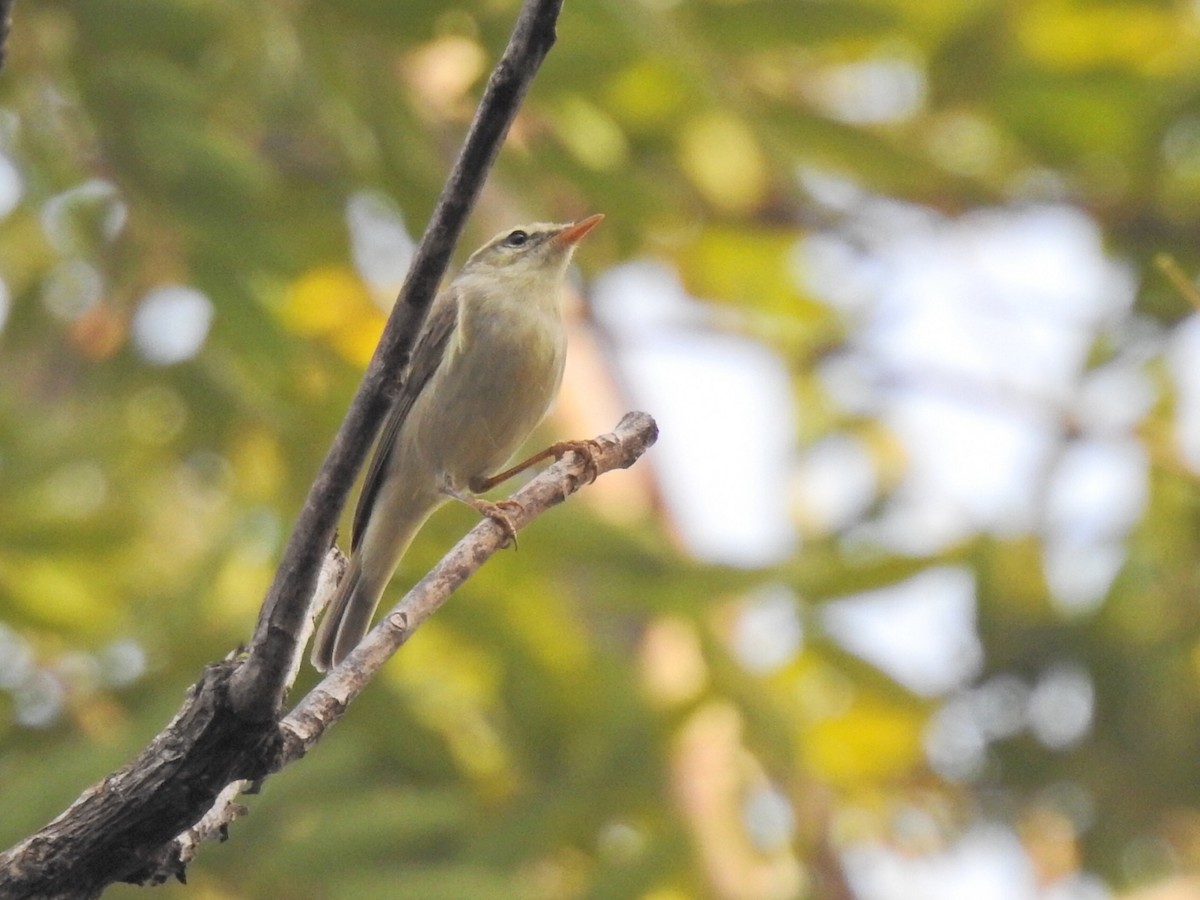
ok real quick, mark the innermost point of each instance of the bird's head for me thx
(530, 251)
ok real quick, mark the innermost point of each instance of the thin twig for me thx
(325, 703)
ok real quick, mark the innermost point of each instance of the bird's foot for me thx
(585, 450)
(500, 512)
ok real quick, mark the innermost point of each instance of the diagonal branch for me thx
(257, 688)
(326, 702)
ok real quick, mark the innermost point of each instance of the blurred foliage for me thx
(577, 722)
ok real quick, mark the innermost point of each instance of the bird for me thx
(483, 373)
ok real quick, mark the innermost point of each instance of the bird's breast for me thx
(499, 382)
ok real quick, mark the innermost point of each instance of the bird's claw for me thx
(501, 512)
(586, 451)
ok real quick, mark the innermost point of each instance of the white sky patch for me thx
(1079, 574)
(921, 631)
(955, 743)
(40, 700)
(17, 662)
(770, 819)
(724, 408)
(834, 484)
(973, 335)
(870, 91)
(1058, 710)
(768, 632)
(171, 324)
(969, 469)
(379, 242)
(1114, 397)
(11, 187)
(1182, 354)
(1061, 706)
(121, 663)
(1097, 491)
(987, 863)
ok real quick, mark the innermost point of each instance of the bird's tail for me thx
(346, 618)
(349, 613)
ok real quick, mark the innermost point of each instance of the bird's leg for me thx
(498, 512)
(585, 449)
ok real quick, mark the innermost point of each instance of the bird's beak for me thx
(573, 234)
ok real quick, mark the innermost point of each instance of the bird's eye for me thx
(517, 239)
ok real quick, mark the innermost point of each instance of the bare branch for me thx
(305, 724)
(257, 689)
(117, 827)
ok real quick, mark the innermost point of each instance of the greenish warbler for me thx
(483, 374)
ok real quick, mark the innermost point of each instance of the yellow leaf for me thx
(319, 301)
(722, 158)
(54, 595)
(333, 303)
(591, 135)
(238, 587)
(1079, 36)
(258, 464)
(746, 266)
(646, 94)
(871, 741)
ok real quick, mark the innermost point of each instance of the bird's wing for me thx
(427, 355)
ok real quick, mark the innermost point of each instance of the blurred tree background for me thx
(904, 604)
